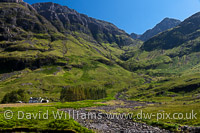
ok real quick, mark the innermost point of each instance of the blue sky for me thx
(132, 15)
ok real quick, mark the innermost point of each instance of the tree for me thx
(14, 96)
(80, 93)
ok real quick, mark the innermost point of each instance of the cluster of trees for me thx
(69, 94)
(14, 96)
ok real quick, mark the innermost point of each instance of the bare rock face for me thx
(21, 22)
(16, 20)
(66, 20)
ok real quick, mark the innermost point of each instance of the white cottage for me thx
(38, 100)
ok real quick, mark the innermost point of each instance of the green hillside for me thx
(54, 52)
(43, 60)
(171, 63)
(50, 54)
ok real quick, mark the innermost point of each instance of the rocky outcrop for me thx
(17, 21)
(67, 20)
(22, 27)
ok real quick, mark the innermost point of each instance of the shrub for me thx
(14, 96)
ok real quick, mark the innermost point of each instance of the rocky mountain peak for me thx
(187, 30)
(165, 24)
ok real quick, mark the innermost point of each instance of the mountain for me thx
(67, 20)
(20, 24)
(52, 22)
(175, 51)
(54, 52)
(183, 35)
(19, 19)
(46, 47)
(135, 36)
(164, 25)
(173, 58)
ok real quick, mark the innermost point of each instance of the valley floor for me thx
(102, 116)
(107, 116)
(109, 122)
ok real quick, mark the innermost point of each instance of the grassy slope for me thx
(83, 63)
(183, 59)
(73, 59)
(173, 81)
(90, 64)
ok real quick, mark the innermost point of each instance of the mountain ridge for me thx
(186, 31)
(54, 23)
(165, 24)
(56, 53)
(68, 19)
(43, 57)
